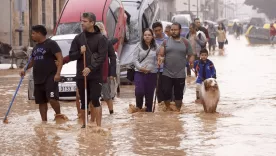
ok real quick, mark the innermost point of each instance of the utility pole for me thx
(225, 7)
(214, 10)
(189, 6)
(236, 8)
(197, 8)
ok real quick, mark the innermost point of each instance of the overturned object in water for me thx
(210, 95)
(258, 35)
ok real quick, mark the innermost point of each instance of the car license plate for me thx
(67, 88)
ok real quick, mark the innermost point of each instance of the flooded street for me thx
(244, 125)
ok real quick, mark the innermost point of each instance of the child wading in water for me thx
(205, 69)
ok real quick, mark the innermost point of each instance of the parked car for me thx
(67, 86)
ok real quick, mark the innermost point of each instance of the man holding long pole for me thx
(90, 50)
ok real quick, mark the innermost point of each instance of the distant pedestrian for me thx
(201, 28)
(159, 37)
(272, 34)
(108, 84)
(168, 30)
(197, 40)
(213, 34)
(221, 37)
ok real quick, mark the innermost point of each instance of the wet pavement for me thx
(244, 125)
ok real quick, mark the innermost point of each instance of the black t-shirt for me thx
(44, 60)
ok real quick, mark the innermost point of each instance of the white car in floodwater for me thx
(67, 86)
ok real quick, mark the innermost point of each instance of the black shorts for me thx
(221, 45)
(175, 84)
(93, 92)
(46, 91)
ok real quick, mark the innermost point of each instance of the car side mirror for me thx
(114, 40)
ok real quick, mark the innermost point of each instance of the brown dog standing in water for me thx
(210, 95)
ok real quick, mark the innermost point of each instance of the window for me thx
(23, 18)
(54, 12)
(43, 12)
(69, 28)
(150, 12)
(145, 23)
(64, 46)
(115, 8)
(110, 23)
(133, 27)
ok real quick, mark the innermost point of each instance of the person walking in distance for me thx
(66, 60)
(45, 72)
(159, 37)
(197, 40)
(168, 30)
(145, 63)
(272, 34)
(200, 28)
(174, 53)
(94, 45)
(221, 37)
(212, 41)
(109, 83)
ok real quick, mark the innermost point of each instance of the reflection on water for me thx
(244, 125)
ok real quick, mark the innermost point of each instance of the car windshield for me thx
(68, 28)
(64, 46)
(131, 8)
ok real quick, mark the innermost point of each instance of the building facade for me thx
(15, 25)
(203, 9)
(167, 9)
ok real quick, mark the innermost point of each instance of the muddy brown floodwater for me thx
(244, 125)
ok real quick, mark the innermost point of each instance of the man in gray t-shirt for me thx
(174, 53)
